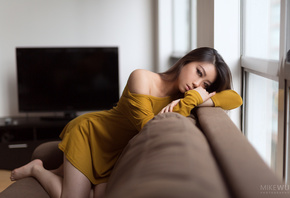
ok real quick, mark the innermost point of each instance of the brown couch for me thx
(172, 157)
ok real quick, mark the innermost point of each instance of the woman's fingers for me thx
(164, 110)
(211, 94)
(170, 106)
(173, 104)
(203, 93)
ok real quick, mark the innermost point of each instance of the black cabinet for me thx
(20, 136)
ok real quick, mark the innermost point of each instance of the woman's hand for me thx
(169, 107)
(204, 94)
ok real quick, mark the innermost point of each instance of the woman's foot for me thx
(26, 170)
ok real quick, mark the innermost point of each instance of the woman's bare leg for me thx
(58, 171)
(99, 190)
(51, 183)
(74, 183)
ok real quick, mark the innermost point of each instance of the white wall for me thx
(164, 35)
(127, 24)
(227, 42)
(218, 26)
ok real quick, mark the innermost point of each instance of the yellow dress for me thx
(93, 142)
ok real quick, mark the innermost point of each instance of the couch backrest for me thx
(246, 174)
(169, 158)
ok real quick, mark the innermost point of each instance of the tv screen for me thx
(67, 79)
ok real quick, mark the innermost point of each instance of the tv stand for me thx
(19, 136)
(56, 118)
(68, 116)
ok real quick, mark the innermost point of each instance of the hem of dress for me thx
(91, 179)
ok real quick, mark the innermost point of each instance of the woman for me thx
(93, 142)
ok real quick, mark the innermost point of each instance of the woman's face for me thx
(196, 74)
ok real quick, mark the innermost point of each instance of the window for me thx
(262, 28)
(266, 84)
(184, 25)
(262, 115)
(181, 26)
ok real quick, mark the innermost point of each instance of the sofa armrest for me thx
(25, 188)
(247, 175)
(48, 152)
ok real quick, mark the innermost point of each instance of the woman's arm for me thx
(207, 103)
(227, 99)
(192, 99)
(134, 101)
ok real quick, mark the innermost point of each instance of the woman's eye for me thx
(198, 72)
(206, 85)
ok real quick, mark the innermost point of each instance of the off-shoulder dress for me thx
(93, 142)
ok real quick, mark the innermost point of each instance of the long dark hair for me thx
(204, 54)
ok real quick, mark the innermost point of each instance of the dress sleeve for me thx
(227, 99)
(137, 108)
(191, 99)
(141, 111)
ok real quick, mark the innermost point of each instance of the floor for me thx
(4, 179)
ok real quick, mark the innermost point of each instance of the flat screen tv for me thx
(67, 79)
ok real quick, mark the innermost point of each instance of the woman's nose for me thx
(196, 83)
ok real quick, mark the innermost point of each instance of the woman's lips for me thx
(188, 88)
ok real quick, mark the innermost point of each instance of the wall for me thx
(127, 24)
(227, 42)
(220, 28)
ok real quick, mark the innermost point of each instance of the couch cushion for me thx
(50, 155)
(24, 188)
(170, 157)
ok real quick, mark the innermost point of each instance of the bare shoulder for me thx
(139, 81)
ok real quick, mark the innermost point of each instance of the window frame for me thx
(278, 71)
